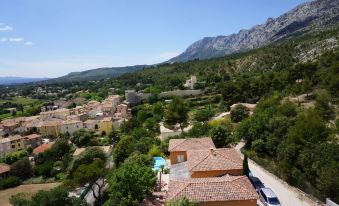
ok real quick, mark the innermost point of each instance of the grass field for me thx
(20, 100)
(27, 103)
(29, 189)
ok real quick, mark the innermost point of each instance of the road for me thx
(222, 115)
(287, 195)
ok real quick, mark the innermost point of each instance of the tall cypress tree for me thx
(245, 166)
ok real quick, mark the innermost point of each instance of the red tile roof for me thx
(4, 168)
(213, 159)
(190, 144)
(42, 148)
(226, 188)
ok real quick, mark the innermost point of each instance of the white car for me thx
(268, 198)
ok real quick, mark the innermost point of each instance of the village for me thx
(193, 169)
(36, 131)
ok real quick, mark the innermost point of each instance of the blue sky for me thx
(50, 38)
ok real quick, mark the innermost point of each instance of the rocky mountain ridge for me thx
(307, 17)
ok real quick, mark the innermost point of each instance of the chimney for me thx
(212, 151)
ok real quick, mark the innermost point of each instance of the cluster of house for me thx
(208, 175)
(101, 117)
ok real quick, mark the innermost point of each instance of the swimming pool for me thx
(158, 162)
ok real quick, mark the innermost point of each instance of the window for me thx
(180, 158)
(273, 201)
(264, 196)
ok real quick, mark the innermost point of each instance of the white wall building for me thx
(70, 126)
(191, 82)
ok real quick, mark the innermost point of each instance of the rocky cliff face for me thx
(307, 17)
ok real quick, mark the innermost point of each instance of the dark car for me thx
(257, 184)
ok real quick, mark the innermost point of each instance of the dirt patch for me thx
(30, 189)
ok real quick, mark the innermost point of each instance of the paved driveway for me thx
(288, 196)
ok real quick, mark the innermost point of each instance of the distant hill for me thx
(19, 80)
(307, 17)
(97, 74)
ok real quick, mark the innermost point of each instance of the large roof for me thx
(62, 110)
(213, 159)
(33, 136)
(67, 122)
(216, 189)
(15, 137)
(54, 122)
(190, 144)
(42, 148)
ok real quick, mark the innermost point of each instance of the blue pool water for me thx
(158, 162)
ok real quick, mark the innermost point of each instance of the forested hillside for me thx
(275, 57)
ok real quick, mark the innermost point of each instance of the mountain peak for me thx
(297, 21)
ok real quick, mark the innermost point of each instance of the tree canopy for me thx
(177, 113)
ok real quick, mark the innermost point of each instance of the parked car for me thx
(268, 198)
(257, 184)
(250, 174)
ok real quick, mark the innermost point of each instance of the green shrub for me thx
(10, 181)
(12, 157)
(239, 113)
(203, 115)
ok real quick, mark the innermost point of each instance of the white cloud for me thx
(17, 39)
(29, 43)
(6, 28)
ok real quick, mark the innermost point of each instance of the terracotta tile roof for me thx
(107, 105)
(4, 140)
(91, 121)
(190, 144)
(51, 123)
(33, 136)
(62, 110)
(15, 137)
(216, 189)
(213, 159)
(42, 148)
(10, 124)
(67, 122)
(4, 168)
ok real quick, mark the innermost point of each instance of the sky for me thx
(51, 38)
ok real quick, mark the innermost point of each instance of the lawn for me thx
(29, 189)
